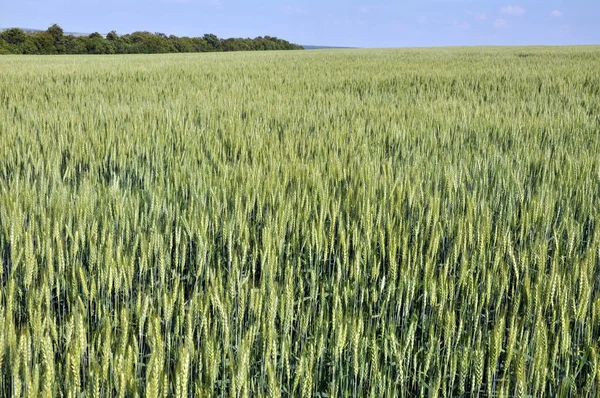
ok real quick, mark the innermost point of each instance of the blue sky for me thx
(355, 23)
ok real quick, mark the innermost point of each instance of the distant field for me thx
(323, 47)
(28, 30)
(335, 223)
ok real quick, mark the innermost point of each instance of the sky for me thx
(352, 23)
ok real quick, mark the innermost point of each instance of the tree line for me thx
(55, 41)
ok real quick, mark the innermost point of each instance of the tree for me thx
(58, 36)
(213, 41)
(200, 45)
(112, 35)
(44, 43)
(182, 44)
(56, 32)
(116, 44)
(75, 45)
(28, 46)
(53, 41)
(4, 47)
(14, 36)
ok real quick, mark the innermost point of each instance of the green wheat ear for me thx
(351, 223)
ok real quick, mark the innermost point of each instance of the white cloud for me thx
(345, 22)
(207, 3)
(478, 16)
(499, 23)
(294, 10)
(556, 13)
(461, 24)
(513, 10)
(368, 9)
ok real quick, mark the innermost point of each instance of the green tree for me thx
(58, 36)
(14, 36)
(75, 45)
(4, 47)
(29, 46)
(54, 41)
(44, 43)
(56, 32)
(116, 43)
(112, 35)
(200, 45)
(213, 41)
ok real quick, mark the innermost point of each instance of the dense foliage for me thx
(54, 41)
(347, 223)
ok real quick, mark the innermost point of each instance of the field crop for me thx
(330, 224)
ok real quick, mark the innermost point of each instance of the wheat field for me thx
(378, 223)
